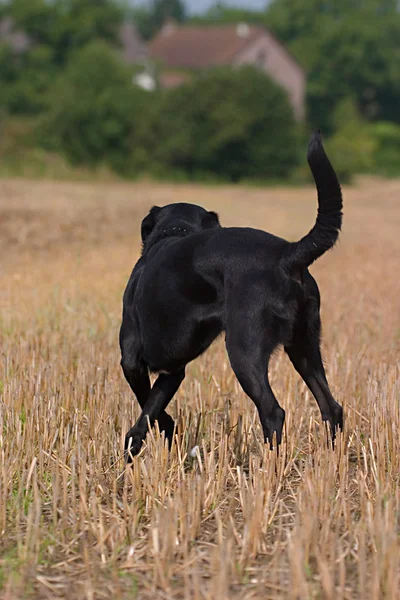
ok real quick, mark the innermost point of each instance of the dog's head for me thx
(179, 219)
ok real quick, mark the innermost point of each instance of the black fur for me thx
(196, 279)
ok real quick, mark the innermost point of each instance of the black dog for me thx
(196, 279)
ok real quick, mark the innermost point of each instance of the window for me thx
(261, 58)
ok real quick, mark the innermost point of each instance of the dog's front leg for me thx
(160, 395)
(139, 380)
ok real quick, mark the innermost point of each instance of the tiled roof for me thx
(201, 47)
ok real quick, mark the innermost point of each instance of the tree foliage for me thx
(222, 14)
(55, 31)
(352, 146)
(66, 25)
(387, 148)
(25, 79)
(350, 48)
(149, 19)
(93, 109)
(232, 124)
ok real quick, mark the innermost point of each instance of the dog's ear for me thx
(210, 220)
(149, 222)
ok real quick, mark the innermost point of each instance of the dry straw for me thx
(229, 519)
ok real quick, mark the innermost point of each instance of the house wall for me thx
(267, 53)
(133, 47)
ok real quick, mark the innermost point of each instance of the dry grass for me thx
(234, 521)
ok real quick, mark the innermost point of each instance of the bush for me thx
(25, 79)
(233, 124)
(21, 157)
(352, 147)
(387, 150)
(92, 110)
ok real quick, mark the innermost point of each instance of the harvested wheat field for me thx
(234, 521)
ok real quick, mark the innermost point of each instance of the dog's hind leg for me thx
(153, 410)
(249, 354)
(305, 354)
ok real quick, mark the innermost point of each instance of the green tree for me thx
(222, 14)
(149, 20)
(349, 48)
(55, 30)
(66, 25)
(361, 59)
(233, 124)
(93, 109)
(25, 78)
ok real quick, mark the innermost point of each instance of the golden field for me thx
(235, 521)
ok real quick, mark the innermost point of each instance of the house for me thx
(18, 40)
(184, 49)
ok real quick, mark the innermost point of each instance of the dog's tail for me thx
(325, 232)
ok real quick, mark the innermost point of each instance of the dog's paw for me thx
(336, 422)
(133, 443)
(274, 425)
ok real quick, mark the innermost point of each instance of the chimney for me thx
(169, 27)
(242, 30)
